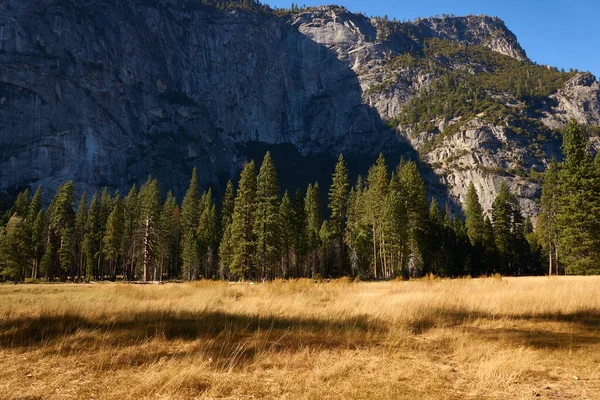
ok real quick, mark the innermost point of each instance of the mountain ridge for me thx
(140, 88)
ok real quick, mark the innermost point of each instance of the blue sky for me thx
(565, 34)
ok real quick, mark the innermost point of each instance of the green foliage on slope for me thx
(474, 81)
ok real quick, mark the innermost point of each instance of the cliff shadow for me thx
(331, 118)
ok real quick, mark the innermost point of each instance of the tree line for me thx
(380, 227)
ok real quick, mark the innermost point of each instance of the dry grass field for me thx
(515, 338)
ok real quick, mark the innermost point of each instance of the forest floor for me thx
(510, 338)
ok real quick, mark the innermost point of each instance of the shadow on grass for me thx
(585, 327)
(31, 331)
(232, 340)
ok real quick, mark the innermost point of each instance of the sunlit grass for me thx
(471, 338)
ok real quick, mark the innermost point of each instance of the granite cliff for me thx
(106, 92)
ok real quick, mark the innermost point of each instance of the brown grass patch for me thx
(478, 338)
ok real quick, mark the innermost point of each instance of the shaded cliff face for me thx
(108, 92)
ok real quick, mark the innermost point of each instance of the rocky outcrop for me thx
(579, 99)
(484, 154)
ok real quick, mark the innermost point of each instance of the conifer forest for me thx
(383, 226)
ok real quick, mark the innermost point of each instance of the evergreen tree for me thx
(475, 229)
(502, 222)
(227, 205)
(266, 218)
(300, 233)
(312, 205)
(80, 220)
(226, 252)
(396, 228)
(14, 248)
(579, 218)
(377, 192)
(489, 248)
(287, 234)
(91, 238)
(35, 206)
(21, 205)
(225, 246)
(113, 237)
(338, 204)
(190, 217)
(434, 239)
(358, 232)
(243, 242)
(208, 234)
(474, 216)
(150, 206)
(547, 227)
(169, 237)
(130, 244)
(415, 197)
(37, 242)
(62, 219)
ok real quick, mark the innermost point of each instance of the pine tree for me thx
(434, 239)
(190, 217)
(208, 234)
(37, 242)
(92, 237)
(80, 220)
(113, 237)
(508, 231)
(168, 236)
(228, 205)
(474, 216)
(266, 218)
(300, 233)
(14, 248)
(149, 223)
(501, 220)
(312, 205)
(489, 247)
(35, 206)
(287, 233)
(225, 252)
(21, 205)
(579, 218)
(62, 220)
(547, 227)
(415, 197)
(225, 248)
(35, 236)
(358, 232)
(475, 229)
(448, 265)
(106, 204)
(243, 242)
(396, 228)
(377, 192)
(339, 192)
(130, 244)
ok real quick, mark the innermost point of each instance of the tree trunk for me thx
(374, 252)
(550, 259)
(147, 248)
